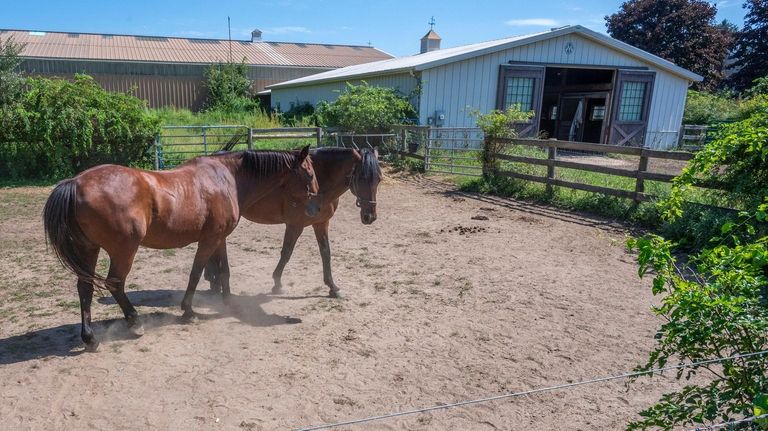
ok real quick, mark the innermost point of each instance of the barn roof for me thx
(440, 57)
(160, 49)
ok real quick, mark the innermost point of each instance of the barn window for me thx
(519, 92)
(632, 98)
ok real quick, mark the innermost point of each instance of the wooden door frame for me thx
(620, 77)
(538, 73)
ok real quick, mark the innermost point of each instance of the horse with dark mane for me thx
(118, 209)
(338, 170)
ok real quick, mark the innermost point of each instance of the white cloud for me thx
(286, 30)
(536, 22)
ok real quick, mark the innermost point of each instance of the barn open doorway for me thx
(575, 104)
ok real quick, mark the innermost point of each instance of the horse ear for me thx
(304, 153)
(376, 152)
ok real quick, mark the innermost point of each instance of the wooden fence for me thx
(640, 174)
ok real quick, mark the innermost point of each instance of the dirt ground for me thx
(439, 307)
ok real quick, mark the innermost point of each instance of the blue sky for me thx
(394, 26)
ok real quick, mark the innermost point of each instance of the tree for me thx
(366, 109)
(10, 79)
(751, 51)
(229, 88)
(681, 31)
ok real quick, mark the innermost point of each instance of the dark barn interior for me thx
(575, 104)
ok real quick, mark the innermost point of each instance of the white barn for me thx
(582, 86)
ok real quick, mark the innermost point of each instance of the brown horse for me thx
(118, 209)
(338, 170)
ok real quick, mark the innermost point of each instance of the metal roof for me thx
(116, 47)
(439, 57)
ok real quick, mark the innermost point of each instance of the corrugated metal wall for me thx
(283, 98)
(161, 85)
(457, 87)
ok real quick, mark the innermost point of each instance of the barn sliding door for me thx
(522, 86)
(631, 106)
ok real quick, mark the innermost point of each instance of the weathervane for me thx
(432, 23)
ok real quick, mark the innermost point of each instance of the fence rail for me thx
(176, 144)
(640, 174)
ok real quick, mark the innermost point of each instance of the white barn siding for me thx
(457, 87)
(282, 98)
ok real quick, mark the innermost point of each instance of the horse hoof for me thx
(92, 346)
(189, 316)
(334, 293)
(137, 330)
(277, 290)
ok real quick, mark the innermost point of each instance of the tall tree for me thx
(10, 79)
(751, 52)
(681, 31)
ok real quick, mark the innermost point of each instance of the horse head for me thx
(366, 176)
(302, 184)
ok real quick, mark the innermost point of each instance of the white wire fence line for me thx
(626, 375)
(728, 424)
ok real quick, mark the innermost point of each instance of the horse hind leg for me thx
(85, 293)
(119, 267)
(211, 275)
(205, 249)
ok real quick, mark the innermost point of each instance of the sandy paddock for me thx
(439, 307)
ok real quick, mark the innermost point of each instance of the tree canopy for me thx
(751, 53)
(681, 31)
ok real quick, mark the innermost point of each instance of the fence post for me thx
(551, 157)
(642, 167)
(157, 152)
(205, 141)
(319, 137)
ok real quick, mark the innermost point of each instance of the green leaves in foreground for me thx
(716, 307)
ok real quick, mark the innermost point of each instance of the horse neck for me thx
(252, 188)
(334, 176)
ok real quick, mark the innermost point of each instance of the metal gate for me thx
(177, 144)
(454, 150)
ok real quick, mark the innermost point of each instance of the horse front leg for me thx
(321, 234)
(292, 234)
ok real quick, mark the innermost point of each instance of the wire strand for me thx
(532, 391)
(736, 422)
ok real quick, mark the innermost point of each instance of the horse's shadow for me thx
(64, 340)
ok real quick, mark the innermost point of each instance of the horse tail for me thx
(63, 233)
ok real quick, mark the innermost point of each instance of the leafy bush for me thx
(365, 109)
(497, 124)
(185, 117)
(707, 108)
(720, 310)
(229, 88)
(59, 128)
(300, 113)
(736, 160)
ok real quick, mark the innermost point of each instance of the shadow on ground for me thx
(64, 340)
(451, 191)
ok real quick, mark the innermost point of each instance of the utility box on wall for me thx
(439, 118)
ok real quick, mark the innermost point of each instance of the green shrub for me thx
(707, 108)
(229, 88)
(59, 128)
(720, 311)
(366, 109)
(300, 113)
(736, 160)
